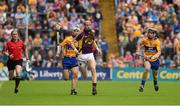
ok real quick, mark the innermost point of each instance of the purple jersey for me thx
(87, 38)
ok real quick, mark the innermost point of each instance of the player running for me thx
(70, 63)
(86, 43)
(13, 49)
(152, 51)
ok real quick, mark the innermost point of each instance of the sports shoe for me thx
(16, 90)
(141, 88)
(73, 92)
(94, 91)
(156, 88)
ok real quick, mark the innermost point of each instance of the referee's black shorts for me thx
(11, 64)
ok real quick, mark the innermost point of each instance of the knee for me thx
(93, 71)
(84, 75)
(66, 78)
(75, 76)
(147, 69)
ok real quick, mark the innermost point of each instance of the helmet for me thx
(152, 33)
(76, 28)
(75, 31)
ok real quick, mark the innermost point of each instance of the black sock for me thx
(143, 82)
(94, 85)
(155, 82)
(17, 81)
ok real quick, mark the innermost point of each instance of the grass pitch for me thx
(109, 93)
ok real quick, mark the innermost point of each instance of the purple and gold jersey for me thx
(68, 50)
(85, 41)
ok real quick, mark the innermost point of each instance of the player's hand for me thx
(138, 53)
(99, 52)
(27, 60)
(77, 52)
(57, 54)
(11, 56)
(58, 25)
(147, 57)
(154, 57)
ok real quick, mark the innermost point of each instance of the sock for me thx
(155, 82)
(94, 85)
(143, 82)
(17, 81)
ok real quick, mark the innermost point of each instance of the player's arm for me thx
(60, 46)
(25, 51)
(26, 54)
(138, 47)
(58, 50)
(5, 51)
(74, 48)
(97, 48)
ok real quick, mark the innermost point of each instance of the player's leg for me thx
(11, 67)
(155, 77)
(66, 67)
(155, 66)
(92, 64)
(147, 67)
(66, 74)
(17, 75)
(74, 80)
(11, 74)
(82, 62)
(83, 69)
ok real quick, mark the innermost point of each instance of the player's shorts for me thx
(83, 58)
(155, 64)
(11, 64)
(69, 62)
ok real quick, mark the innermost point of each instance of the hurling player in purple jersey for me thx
(87, 45)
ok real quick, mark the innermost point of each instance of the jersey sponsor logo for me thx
(150, 49)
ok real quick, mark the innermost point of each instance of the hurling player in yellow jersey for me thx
(69, 61)
(152, 51)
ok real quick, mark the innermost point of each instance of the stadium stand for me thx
(39, 17)
(132, 18)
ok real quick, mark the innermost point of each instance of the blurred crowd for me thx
(133, 17)
(41, 18)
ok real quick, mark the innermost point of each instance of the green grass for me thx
(109, 93)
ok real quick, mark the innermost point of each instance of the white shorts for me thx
(84, 58)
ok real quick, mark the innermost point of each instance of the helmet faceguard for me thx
(152, 33)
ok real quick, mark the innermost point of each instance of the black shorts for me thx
(11, 64)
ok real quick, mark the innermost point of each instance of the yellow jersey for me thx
(151, 47)
(68, 49)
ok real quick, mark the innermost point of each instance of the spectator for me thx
(41, 17)
(128, 58)
(37, 40)
(36, 59)
(104, 49)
